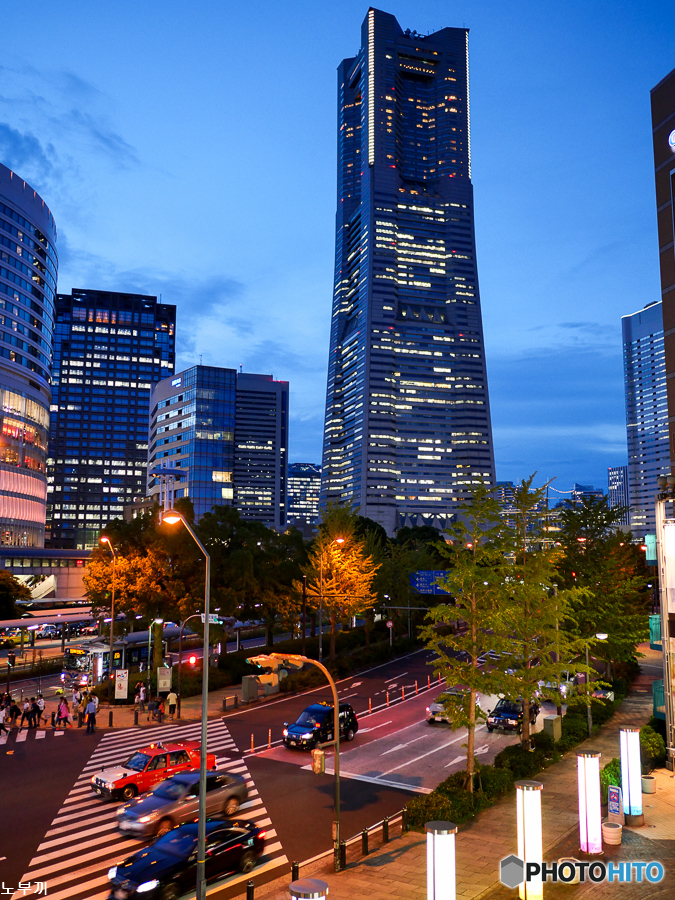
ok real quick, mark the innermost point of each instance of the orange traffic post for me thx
(269, 740)
(387, 698)
(252, 744)
(439, 677)
(402, 693)
(415, 687)
(370, 705)
(428, 681)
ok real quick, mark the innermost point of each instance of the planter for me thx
(648, 784)
(611, 833)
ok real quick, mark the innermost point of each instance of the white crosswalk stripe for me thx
(83, 842)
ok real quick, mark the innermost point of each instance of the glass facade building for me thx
(644, 371)
(304, 494)
(109, 349)
(407, 429)
(222, 435)
(617, 493)
(28, 272)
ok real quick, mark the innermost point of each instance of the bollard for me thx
(135, 717)
(385, 830)
(251, 743)
(295, 871)
(402, 693)
(269, 740)
(364, 842)
(370, 705)
(236, 701)
(110, 714)
(428, 681)
(80, 718)
(404, 820)
(343, 855)
(415, 687)
(224, 704)
(439, 677)
(53, 720)
(387, 698)
(250, 890)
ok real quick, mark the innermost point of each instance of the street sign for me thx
(213, 619)
(163, 679)
(121, 684)
(614, 806)
(390, 624)
(424, 581)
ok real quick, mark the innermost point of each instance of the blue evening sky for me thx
(188, 150)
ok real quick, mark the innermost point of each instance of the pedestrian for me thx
(142, 696)
(34, 713)
(172, 700)
(41, 707)
(3, 716)
(26, 713)
(94, 697)
(14, 713)
(90, 712)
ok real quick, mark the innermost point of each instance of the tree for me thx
(11, 591)
(339, 570)
(475, 557)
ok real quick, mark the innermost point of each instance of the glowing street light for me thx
(441, 870)
(530, 841)
(631, 775)
(590, 816)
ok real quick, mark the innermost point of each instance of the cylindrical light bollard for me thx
(364, 842)
(252, 748)
(428, 681)
(250, 890)
(441, 877)
(439, 677)
(590, 815)
(415, 687)
(385, 830)
(387, 698)
(631, 775)
(308, 889)
(269, 739)
(295, 871)
(402, 693)
(370, 705)
(528, 812)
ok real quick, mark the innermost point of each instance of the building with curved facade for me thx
(28, 270)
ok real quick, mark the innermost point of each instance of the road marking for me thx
(455, 760)
(39, 734)
(356, 684)
(428, 753)
(21, 736)
(366, 730)
(394, 678)
(401, 746)
(375, 780)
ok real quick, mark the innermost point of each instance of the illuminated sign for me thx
(175, 382)
(671, 140)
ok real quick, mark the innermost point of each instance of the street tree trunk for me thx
(332, 636)
(157, 646)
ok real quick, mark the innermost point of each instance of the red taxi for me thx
(147, 767)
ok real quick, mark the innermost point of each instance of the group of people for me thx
(32, 712)
(156, 705)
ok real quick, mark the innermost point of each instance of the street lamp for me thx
(171, 517)
(528, 812)
(104, 539)
(336, 541)
(157, 621)
(601, 636)
(665, 545)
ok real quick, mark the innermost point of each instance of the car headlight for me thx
(306, 736)
(147, 818)
(147, 886)
(109, 785)
(513, 721)
(93, 779)
(285, 732)
(112, 873)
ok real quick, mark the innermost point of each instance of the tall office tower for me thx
(407, 429)
(617, 484)
(28, 270)
(304, 493)
(663, 132)
(110, 348)
(644, 372)
(222, 437)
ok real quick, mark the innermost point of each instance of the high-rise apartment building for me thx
(644, 372)
(304, 494)
(110, 348)
(407, 429)
(663, 134)
(222, 436)
(617, 493)
(28, 271)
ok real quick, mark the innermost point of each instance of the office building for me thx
(28, 271)
(617, 483)
(109, 349)
(222, 437)
(407, 430)
(304, 494)
(663, 136)
(644, 372)
(579, 495)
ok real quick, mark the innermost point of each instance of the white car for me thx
(436, 711)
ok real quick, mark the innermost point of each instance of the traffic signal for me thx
(11, 659)
(192, 660)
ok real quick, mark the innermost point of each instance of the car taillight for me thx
(261, 834)
(316, 725)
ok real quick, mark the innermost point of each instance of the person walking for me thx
(34, 713)
(14, 713)
(3, 716)
(26, 714)
(142, 695)
(90, 712)
(41, 708)
(172, 700)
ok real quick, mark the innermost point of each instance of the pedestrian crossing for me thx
(19, 736)
(82, 842)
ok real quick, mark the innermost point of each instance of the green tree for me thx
(11, 591)
(476, 560)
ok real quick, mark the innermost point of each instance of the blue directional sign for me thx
(424, 581)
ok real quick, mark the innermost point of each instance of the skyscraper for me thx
(223, 436)
(109, 350)
(407, 428)
(304, 493)
(617, 492)
(644, 372)
(28, 270)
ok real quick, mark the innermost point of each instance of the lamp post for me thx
(590, 815)
(304, 611)
(156, 621)
(171, 517)
(601, 636)
(180, 653)
(104, 539)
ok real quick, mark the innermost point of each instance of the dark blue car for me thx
(315, 726)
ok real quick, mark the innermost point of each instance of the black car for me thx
(315, 725)
(168, 868)
(508, 714)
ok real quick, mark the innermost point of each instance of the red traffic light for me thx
(193, 660)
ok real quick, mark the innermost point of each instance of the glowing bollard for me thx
(308, 889)
(631, 775)
(590, 815)
(528, 812)
(441, 870)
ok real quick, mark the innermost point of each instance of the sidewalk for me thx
(398, 869)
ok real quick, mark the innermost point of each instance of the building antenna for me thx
(241, 368)
(200, 359)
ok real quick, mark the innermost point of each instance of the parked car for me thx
(315, 725)
(168, 868)
(436, 711)
(508, 715)
(176, 801)
(603, 694)
(147, 767)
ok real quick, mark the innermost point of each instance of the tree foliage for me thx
(11, 590)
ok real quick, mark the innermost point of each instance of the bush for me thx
(521, 762)
(456, 807)
(544, 742)
(652, 747)
(611, 774)
(659, 726)
(495, 782)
